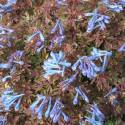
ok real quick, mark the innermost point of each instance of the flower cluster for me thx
(56, 64)
(10, 99)
(97, 21)
(97, 117)
(54, 112)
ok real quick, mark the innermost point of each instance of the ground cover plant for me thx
(62, 62)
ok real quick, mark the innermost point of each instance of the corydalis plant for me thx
(16, 58)
(7, 7)
(114, 6)
(112, 96)
(86, 66)
(97, 21)
(54, 112)
(79, 92)
(61, 2)
(66, 83)
(38, 107)
(56, 64)
(58, 39)
(103, 56)
(97, 117)
(10, 99)
(58, 27)
(122, 48)
(38, 44)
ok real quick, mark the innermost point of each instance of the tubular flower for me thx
(57, 26)
(15, 58)
(122, 48)
(7, 7)
(3, 120)
(9, 99)
(65, 84)
(38, 44)
(86, 66)
(114, 6)
(57, 39)
(61, 2)
(97, 21)
(5, 31)
(54, 112)
(38, 107)
(82, 94)
(56, 64)
(111, 95)
(103, 55)
(57, 112)
(97, 117)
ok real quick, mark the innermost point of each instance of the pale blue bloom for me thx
(15, 58)
(9, 99)
(7, 7)
(79, 92)
(114, 6)
(61, 2)
(38, 108)
(111, 93)
(97, 113)
(57, 112)
(56, 64)
(39, 43)
(57, 39)
(6, 78)
(97, 117)
(5, 31)
(37, 33)
(122, 48)
(97, 21)
(65, 84)
(103, 55)
(3, 120)
(86, 66)
(58, 26)
(5, 65)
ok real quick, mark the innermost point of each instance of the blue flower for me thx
(111, 96)
(3, 120)
(56, 64)
(122, 48)
(65, 84)
(16, 57)
(57, 39)
(5, 65)
(5, 31)
(39, 44)
(54, 112)
(57, 26)
(114, 6)
(86, 66)
(37, 33)
(103, 56)
(7, 7)
(6, 78)
(61, 2)
(9, 99)
(97, 117)
(97, 113)
(97, 21)
(80, 92)
(38, 107)
(57, 112)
